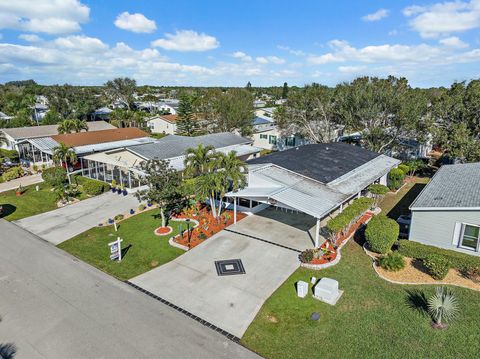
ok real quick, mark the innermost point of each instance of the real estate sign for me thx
(116, 249)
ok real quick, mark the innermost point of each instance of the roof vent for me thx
(326, 148)
(296, 148)
(439, 198)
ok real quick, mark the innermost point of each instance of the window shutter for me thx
(456, 233)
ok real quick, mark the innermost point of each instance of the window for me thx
(290, 141)
(263, 137)
(470, 237)
(272, 140)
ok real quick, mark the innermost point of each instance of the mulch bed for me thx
(415, 273)
(207, 227)
(329, 253)
(162, 231)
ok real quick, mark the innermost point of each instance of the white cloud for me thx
(83, 43)
(377, 15)
(352, 69)
(30, 37)
(48, 16)
(135, 22)
(242, 56)
(270, 60)
(453, 41)
(187, 40)
(444, 18)
(291, 51)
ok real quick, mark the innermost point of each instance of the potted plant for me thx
(110, 221)
(124, 191)
(132, 211)
(19, 191)
(114, 186)
(119, 189)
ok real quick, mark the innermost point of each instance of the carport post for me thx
(317, 232)
(234, 210)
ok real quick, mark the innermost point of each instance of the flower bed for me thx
(207, 225)
(162, 231)
(330, 255)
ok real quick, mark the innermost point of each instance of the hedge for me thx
(437, 266)
(12, 173)
(349, 215)
(404, 168)
(381, 233)
(460, 261)
(395, 178)
(92, 187)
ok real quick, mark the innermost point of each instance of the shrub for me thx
(306, 256)
(471, 273)
(202, 236)
(349, 215)
(118, 217)
(404, 168)
(381, 233)
(461, 261)
(90, 186)
(392, 262)
(141, 207)
(12, 155)
(395, 178)
(378, 189)
(437, 266)
(12, 173)
(55, 176)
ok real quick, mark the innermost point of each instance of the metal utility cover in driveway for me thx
(229, 267)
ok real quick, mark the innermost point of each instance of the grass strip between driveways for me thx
(142, 249)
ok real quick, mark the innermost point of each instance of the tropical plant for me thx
(66, 126)
(442, 307)
(79, 125)
(64, 154)
(307, 255)
(392, 262)
(55, 176)
(199, 160)
(414, 166)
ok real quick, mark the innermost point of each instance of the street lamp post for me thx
(188, 231)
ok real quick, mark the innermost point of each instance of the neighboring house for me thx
(265, 112)
(5, 117)
(102, 113)
(17, 134)
(446, 214)
(259, 103)
(411, 149)
(39, 111)
(166, 124)
(156, 107)
(267, 136)
(123, 165)
(316, 179)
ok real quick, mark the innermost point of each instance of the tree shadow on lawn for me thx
(7, 209)
(417, 301)
(402, 206)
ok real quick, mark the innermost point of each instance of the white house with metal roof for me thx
(446, 213)
(315, 179)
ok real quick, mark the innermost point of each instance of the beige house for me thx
(166, 124)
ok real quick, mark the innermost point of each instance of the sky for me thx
(231, 42)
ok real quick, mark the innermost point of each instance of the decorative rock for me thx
(315, 316)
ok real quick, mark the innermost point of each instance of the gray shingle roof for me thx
(174, 146)
(323, 162)
(19, 133)
(453, 186)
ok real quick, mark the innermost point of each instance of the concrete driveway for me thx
(229, 302)
(55, 306)
(64, 223)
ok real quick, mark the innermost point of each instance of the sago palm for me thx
(442, 306)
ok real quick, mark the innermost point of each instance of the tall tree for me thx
(163, 183)
(249, 86)
(187, 125)
(285, 90)
(79, 125)
(309, 113)
(121, 89)
(199, 160)
(65, 154)
(66, 126)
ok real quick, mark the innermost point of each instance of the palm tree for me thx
(65, 154)
(199, 160)
(79, 125)
(66, 126)
(232, 172)
(442, 306)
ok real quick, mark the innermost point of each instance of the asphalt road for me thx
(54, 306)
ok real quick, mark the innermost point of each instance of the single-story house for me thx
(123, 165)
(39, 150)
(266, 135)
(166, 124)
(17, 134)
(5, 117)
(316, 179)
(446, 213)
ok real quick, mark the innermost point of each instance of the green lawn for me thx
(140, 244)
(373, 319)
(29, 203)
(394, 205)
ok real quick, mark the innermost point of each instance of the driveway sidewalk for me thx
(55, 306)
(24, 181)
(64, 223)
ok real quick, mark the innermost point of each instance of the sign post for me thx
(116, 249)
